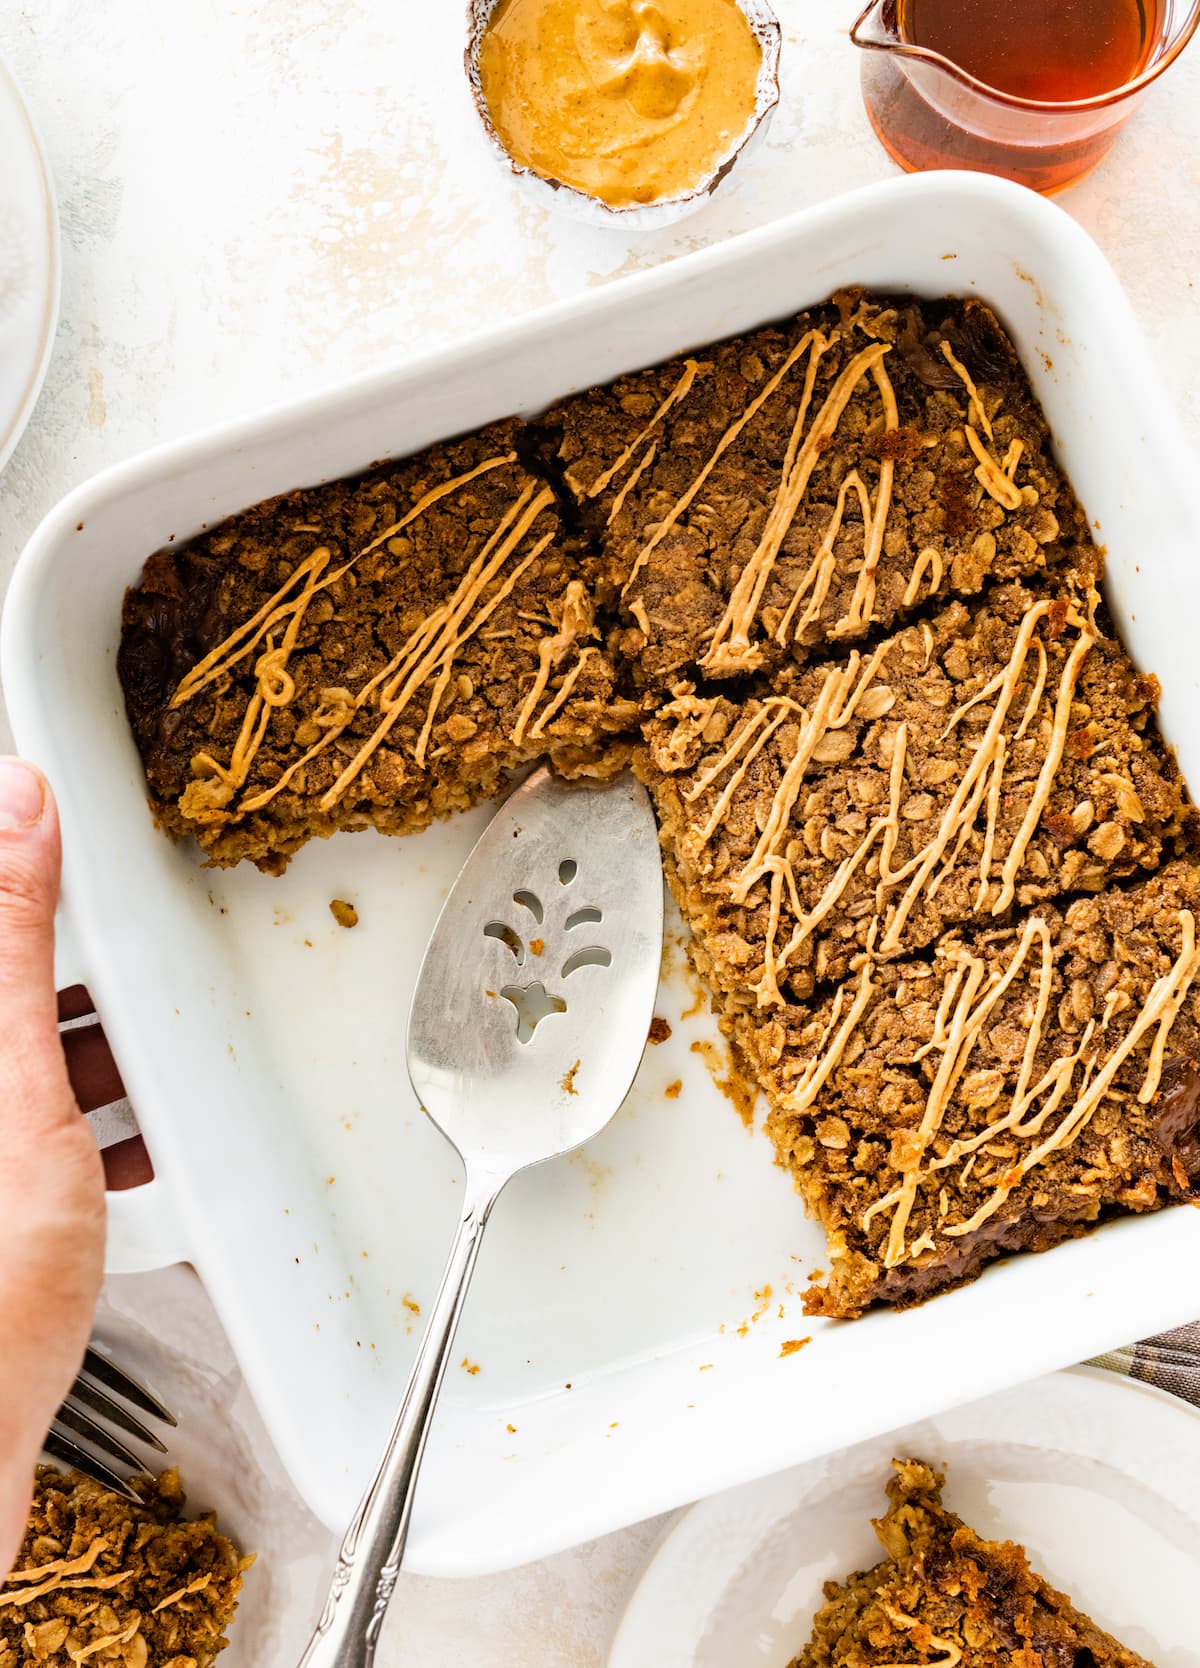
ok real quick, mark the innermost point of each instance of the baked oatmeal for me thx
(101, 1579)
(827, 585)
(975, 763)
(803, 485)
(943, 1595)
(376, 652)
(1006, 1094)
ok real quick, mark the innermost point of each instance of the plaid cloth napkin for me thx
(1171, 1361)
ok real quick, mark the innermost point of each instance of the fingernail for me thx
(22, 795)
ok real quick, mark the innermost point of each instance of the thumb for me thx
(35, 1096)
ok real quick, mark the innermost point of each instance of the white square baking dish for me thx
(621, 1351)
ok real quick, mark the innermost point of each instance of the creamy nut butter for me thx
(631, 101)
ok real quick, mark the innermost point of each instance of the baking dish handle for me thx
(68, 962)
(143, 1230)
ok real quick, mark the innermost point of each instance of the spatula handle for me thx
(369, 1560)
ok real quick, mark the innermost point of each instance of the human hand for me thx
(51, 1178)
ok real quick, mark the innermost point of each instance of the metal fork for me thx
(100, 1392)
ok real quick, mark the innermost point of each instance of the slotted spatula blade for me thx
(535, 996)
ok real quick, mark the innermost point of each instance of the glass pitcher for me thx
(931, 113)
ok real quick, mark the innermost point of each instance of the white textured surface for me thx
(257, 200)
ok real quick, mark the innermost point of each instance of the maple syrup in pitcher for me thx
(1032, 89)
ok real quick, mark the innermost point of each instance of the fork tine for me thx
(85, 1426)
(69, 1453)
(114, 1412)
(113, 1378)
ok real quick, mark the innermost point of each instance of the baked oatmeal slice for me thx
(978, 762)
(369, 653)
(944, 1595)
(102, 1579)
(1007, 1094)
(809, 483)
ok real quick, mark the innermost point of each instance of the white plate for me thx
(1096, 1476)
(262, 1045)
(29, 265)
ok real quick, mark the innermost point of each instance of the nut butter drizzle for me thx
(428, 653)
(681, 389)
(811, 340)
(276, 608)
(730, 648)
(853, 689)
(577, 621)
(409, 669)
(996, 479)
(970, 996)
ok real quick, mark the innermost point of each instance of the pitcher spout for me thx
(878, 27)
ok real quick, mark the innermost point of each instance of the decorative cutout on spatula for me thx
(533, 1002)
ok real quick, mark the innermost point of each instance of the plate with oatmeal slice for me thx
(1058, 1520)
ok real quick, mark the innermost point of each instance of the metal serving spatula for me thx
(530, 1016)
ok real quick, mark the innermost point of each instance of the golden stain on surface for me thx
(97, 406)
(597, 1174)
(395, 234)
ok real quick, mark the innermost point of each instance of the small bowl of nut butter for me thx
(624, 112)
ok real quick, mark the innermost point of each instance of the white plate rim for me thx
(662, 1587)
(10, 435)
